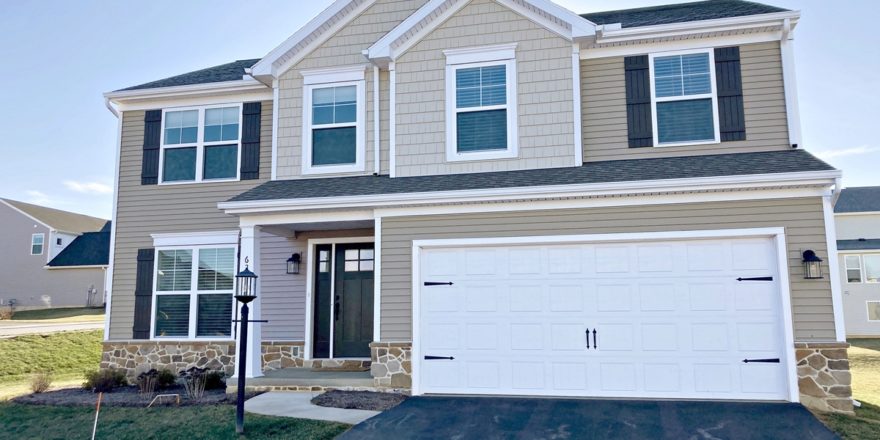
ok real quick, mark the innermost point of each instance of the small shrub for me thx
(6, 312)
(194, 382)
(214, 380)
(147, 383)
(104, 380)
(166, 379)
(41, 382)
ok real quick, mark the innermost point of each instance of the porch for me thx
(307, 379)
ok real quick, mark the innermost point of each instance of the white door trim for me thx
(310, 282)
(777, 233)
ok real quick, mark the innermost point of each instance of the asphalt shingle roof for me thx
(59, 220)
(858, 245)
(224, 72)
(592, 172)
(89, 249)
(680, 13)
(859, 199)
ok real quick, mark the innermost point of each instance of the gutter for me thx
(810, 178)
(613, 33)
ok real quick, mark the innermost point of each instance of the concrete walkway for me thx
(299, 405)
(10, 329)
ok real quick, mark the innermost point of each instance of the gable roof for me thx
(681, 13)
(57, 219)
(224, 72)
(787, 161)
(89, 249)
(858, 199)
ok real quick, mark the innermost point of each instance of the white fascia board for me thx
(580, 26)
(846, 214)
(755, 181)
(608, 35)
(264, 66)
(91, 266)
(191, 95)
(643, 47)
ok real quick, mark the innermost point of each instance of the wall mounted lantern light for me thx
(293, 264)
(812, 265)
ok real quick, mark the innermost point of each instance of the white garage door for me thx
(646, 319)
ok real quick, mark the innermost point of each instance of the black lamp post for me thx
(246, 291)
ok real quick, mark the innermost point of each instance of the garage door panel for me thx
(670, 318)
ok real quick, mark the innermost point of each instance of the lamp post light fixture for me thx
(245, 292)
(293, 264)
(812, 265)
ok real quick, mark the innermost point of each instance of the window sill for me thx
(453, 156)
(192, 182)
(333, 169)
(190, 340)
(687, 144)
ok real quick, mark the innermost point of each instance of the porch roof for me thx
(718, 165)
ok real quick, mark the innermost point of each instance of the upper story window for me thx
(200, 144)
(862, 268)
(194, 301)
(37, 241)
(334, 121)
(684, 99)
(481, 103)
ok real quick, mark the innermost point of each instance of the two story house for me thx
(857, 222)
(489, 197)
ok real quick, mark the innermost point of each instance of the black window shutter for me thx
(728, 81)
(638, 102)
(152, 134)
(143, 294)
(250, 141)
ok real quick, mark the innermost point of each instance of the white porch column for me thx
(250, 251)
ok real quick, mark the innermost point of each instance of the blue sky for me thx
(61, 56)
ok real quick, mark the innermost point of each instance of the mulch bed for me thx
(359, 400)
(126, 396)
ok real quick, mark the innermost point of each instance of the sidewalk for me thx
(10, 329)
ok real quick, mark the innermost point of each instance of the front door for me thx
(353, 300)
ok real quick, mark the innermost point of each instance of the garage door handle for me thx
(438, 283)
(755, 279)
(595, 344)
(766, 361)
(434, 358)
(588, 337)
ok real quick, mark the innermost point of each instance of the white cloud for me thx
(88, 187)
(37, 197)
(854, 151)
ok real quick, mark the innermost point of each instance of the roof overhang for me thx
(819, 179)
(772, 26)
(553, 17)
(306, 39)
(195, 94)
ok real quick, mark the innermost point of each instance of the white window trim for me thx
(336, 77)
(846, 269)
(200, 145)
(865, 268)
(713, 95)
(193, 294)
(42, 246)
(868, 312)
(481, 57)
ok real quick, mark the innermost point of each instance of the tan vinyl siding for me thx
(802, 219)
(283, 295)
(342, 49)
(148, 209)
(604, 109)
(544, 93)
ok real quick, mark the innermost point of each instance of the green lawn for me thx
(864, 359)
(66, 355)
(73, 314)
(191, 423)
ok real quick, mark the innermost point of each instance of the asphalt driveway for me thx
(522, 418)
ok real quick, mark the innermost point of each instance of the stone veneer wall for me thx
(135, 357)
(289, 354)
(391, 364)
(824, 378)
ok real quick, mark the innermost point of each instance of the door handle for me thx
(587, 331)
(595, 344)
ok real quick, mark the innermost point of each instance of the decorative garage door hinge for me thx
(766, 361)
(438, 283)
(756, 279)
(434, 358)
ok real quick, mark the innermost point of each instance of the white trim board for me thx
(195, 238)
(834, 269)
(310, 282)
(192, 95)
(777, 233)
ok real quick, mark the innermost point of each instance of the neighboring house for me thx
(857, 218)
(489, 197)
(42, 261)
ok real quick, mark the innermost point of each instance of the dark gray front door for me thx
(353, 300)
